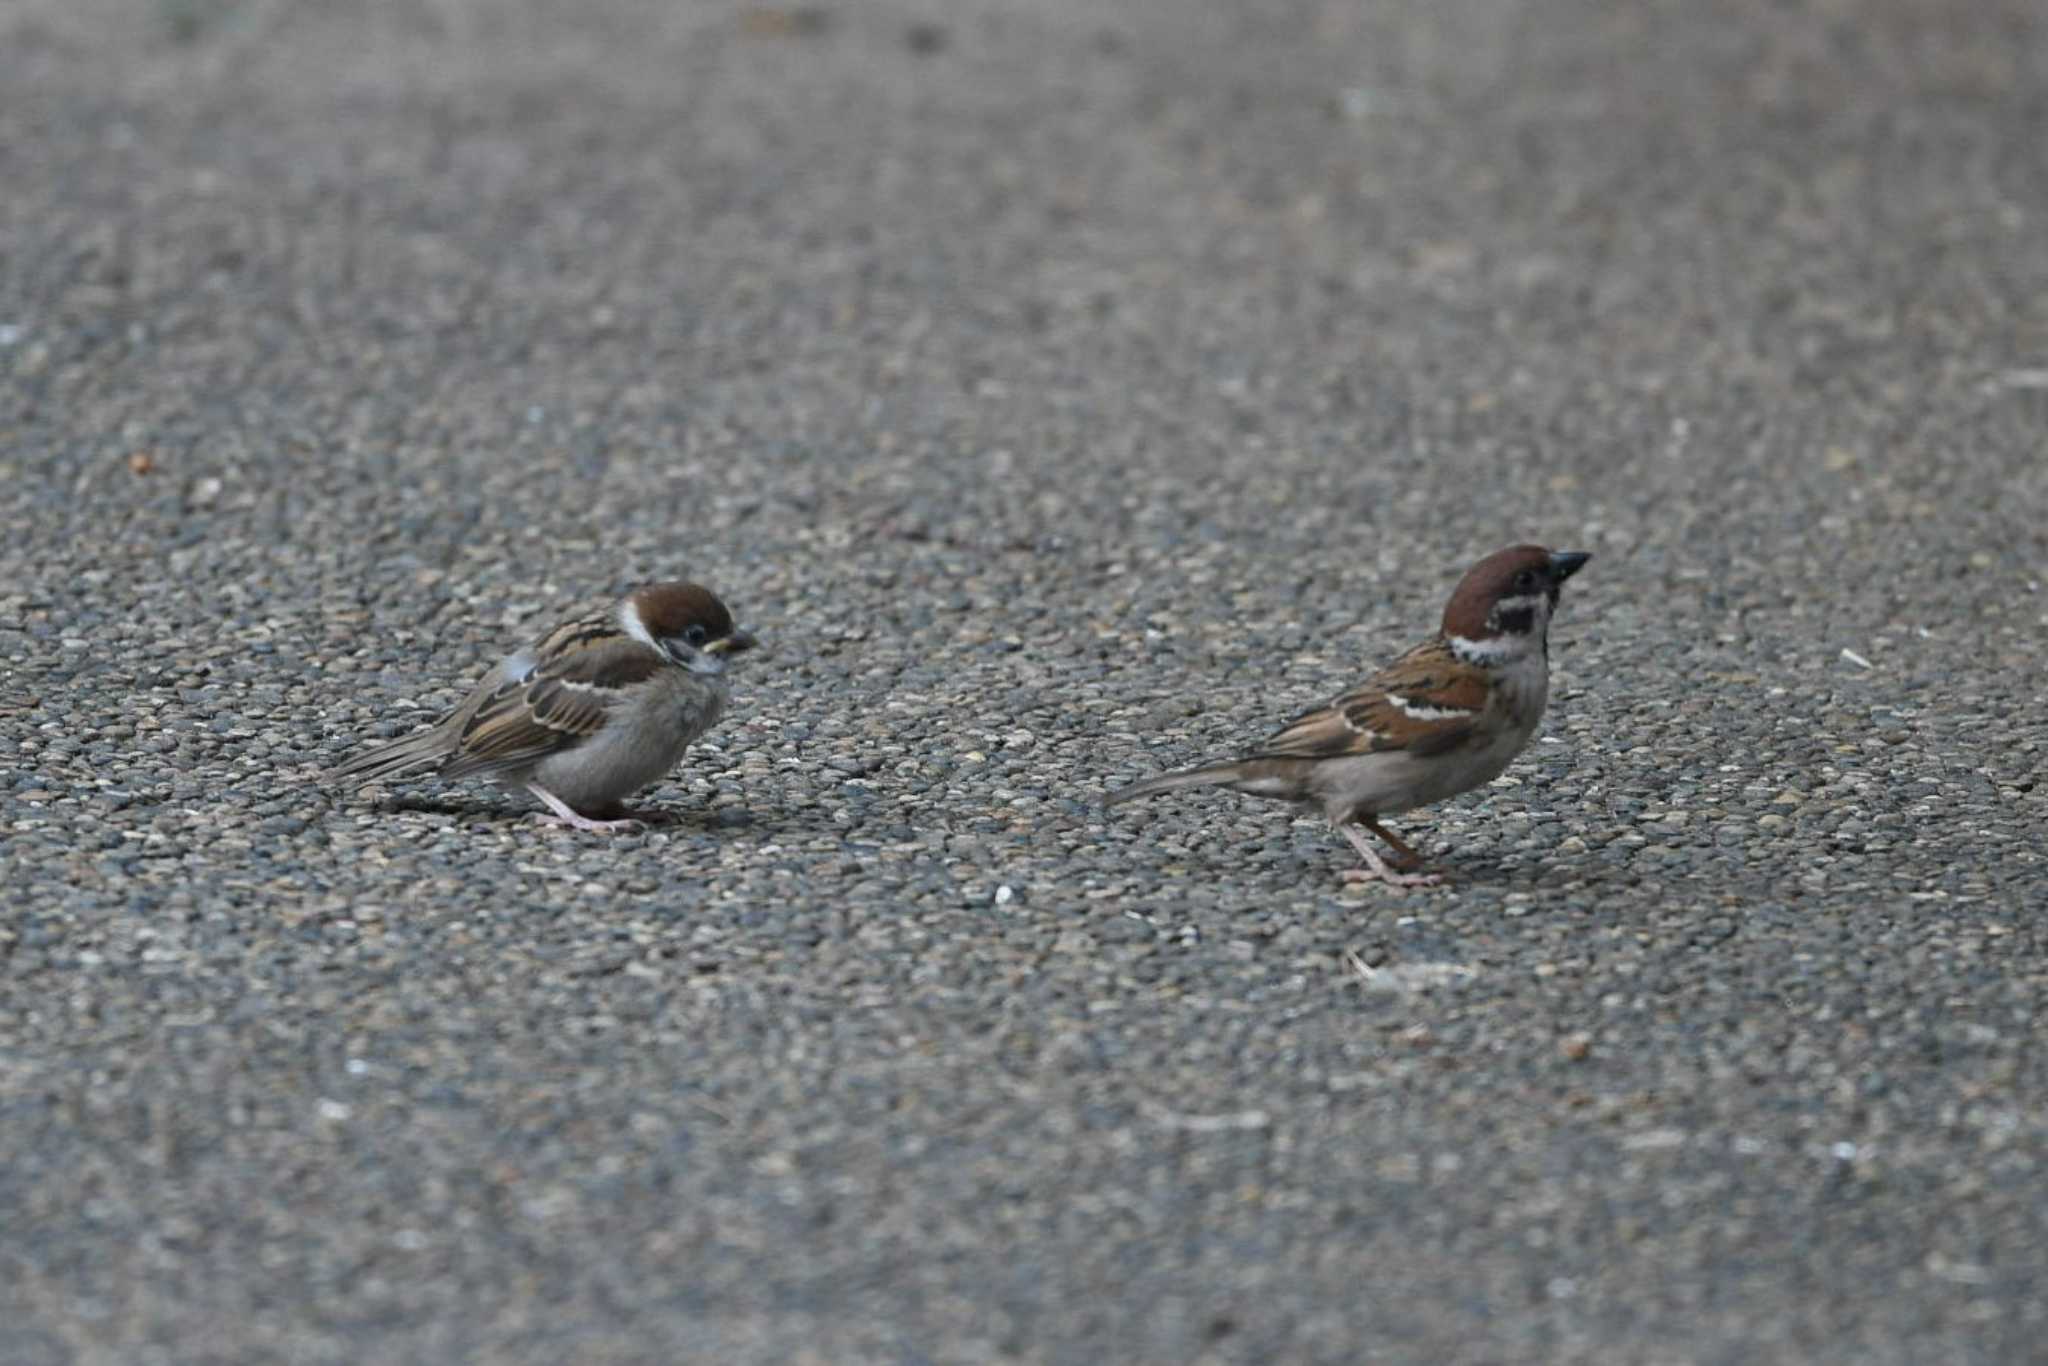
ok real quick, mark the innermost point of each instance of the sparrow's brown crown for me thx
(1475, 611)
(669, 610)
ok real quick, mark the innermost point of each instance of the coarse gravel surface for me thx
(1062, 390)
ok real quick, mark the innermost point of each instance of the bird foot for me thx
(572, 821)
(1399, 871)
(566, 816)
(1390, 877)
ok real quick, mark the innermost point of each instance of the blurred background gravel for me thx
(1062, 390)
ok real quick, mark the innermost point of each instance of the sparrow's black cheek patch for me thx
(1518, 622)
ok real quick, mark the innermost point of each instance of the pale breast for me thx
(640, 745)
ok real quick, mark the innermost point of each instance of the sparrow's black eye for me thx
(1526, 579)
(695, 635)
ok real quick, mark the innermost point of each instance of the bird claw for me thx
(1398, 870)
(627, 826)
(566, 816)
(1390, 877)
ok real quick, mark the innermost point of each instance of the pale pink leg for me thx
(649, 815)
(1376, 869)
(564, 815)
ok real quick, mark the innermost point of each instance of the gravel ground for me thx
(1062, 391)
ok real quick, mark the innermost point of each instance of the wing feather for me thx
(563, 701)
(1428, 702)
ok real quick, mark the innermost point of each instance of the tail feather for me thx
(1208, 775)
(428, 749)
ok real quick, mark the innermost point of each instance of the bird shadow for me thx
(726, 821)
(1460, 871)
(1498, 874)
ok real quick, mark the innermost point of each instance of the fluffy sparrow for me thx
(590, 713)
(1444, 718)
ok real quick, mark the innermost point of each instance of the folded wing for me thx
(1425, 703)
(560, 703)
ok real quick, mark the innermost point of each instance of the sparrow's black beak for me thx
(739, 642)
(1565, 563)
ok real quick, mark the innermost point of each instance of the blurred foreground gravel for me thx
(1062, 390)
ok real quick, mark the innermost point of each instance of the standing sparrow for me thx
(590, 713)
(1444, 718)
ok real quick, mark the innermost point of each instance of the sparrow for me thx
(1444, 718)
(589, 713)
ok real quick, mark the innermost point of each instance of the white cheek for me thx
(630, 623)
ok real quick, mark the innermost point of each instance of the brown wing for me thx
(561, 703)
(1427, 702)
